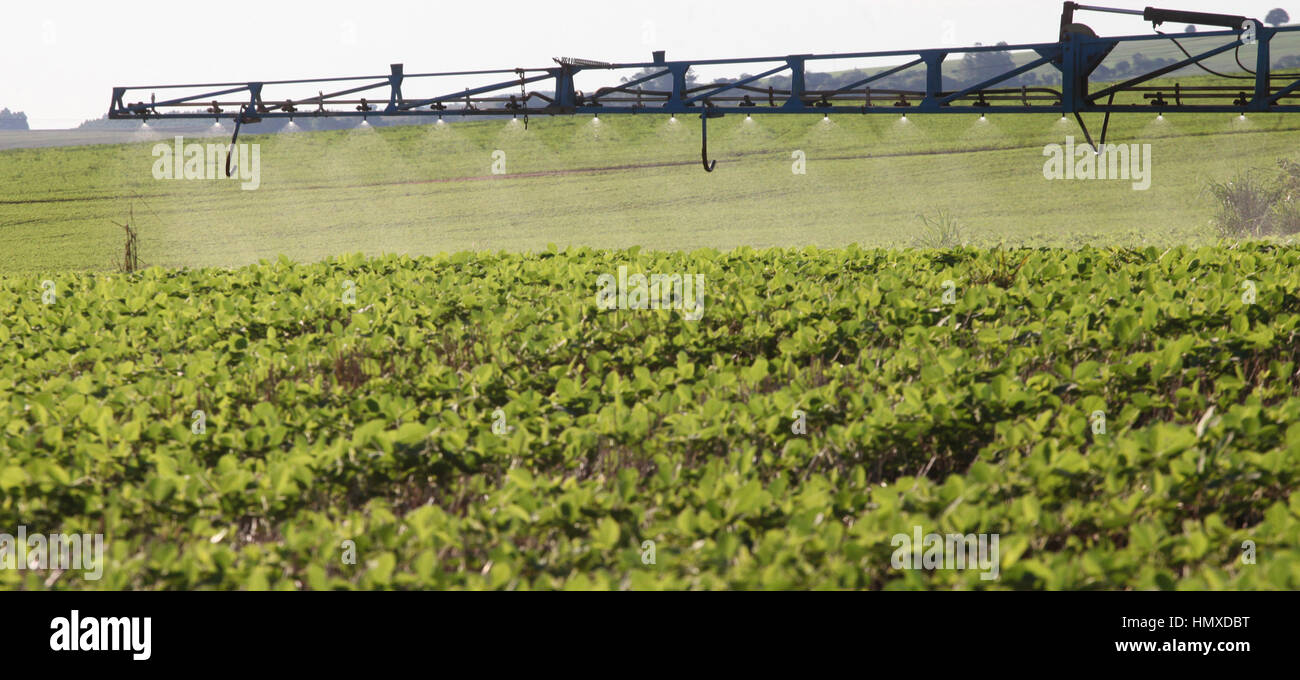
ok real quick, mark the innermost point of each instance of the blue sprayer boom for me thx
(1076, 54)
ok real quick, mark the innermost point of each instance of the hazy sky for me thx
(60, 59)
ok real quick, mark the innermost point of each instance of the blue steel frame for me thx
(1076, 56)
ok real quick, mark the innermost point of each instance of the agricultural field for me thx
(1121, 417)
(626, 181)
(389, 367)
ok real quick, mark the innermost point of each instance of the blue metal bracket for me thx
(395, 88)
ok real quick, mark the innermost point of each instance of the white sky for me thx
(60, 59)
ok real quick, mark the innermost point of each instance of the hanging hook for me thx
(230, 149)
(704, 139)
(244, 116)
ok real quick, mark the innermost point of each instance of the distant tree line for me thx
(13, 120)
(662, 83)
(972, 69)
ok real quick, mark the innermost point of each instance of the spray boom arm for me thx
(1159, 16)
(1076, 55)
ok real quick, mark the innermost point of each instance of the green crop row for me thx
(1118, 418)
